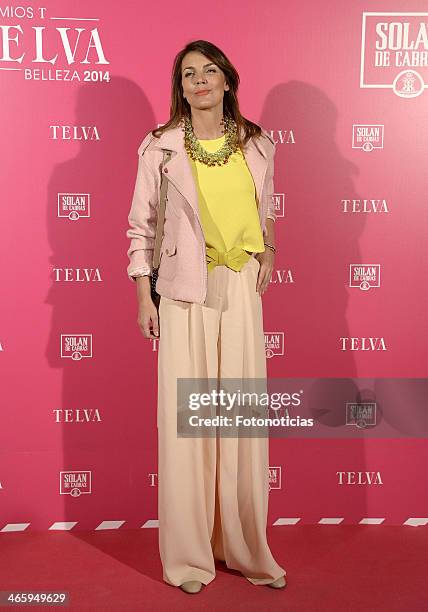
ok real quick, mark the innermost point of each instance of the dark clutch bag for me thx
(154, 294)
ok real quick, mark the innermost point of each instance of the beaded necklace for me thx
(197, 152)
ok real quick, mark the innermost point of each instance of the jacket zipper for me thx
(204, 266)
(262, 204)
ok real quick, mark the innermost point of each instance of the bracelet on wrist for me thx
(270, 246)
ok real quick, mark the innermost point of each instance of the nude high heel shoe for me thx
(191, 586)
(279, 583)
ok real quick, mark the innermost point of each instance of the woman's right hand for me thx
(148, 319)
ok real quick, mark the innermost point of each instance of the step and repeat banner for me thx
(342, 89)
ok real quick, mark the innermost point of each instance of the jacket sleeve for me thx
(142, 217)
(270, 189)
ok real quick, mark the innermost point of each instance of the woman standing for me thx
(216, 261)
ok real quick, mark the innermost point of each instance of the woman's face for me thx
(200, 74)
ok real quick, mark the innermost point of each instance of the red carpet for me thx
(344, 568)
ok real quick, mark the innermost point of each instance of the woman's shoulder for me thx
(268, 136)
(152, 138)
(267, 141)
(146, 142)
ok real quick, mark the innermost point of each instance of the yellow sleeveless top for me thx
(228, 209)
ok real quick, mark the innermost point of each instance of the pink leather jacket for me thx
(183, 270)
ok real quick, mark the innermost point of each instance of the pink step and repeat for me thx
(342, 89)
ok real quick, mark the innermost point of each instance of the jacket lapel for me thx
(180, 171)
(179, 168)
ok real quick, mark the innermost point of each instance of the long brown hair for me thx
(180, 106)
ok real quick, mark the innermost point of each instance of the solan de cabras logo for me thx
(394, 49)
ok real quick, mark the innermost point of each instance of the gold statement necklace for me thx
(197, 152)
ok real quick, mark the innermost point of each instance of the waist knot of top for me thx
(235, 258)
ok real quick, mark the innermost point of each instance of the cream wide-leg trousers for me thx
(212, 491)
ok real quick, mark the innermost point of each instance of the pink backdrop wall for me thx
(305, 79)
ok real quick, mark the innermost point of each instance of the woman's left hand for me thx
(266, 260)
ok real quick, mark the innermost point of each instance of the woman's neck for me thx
(207, 128)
